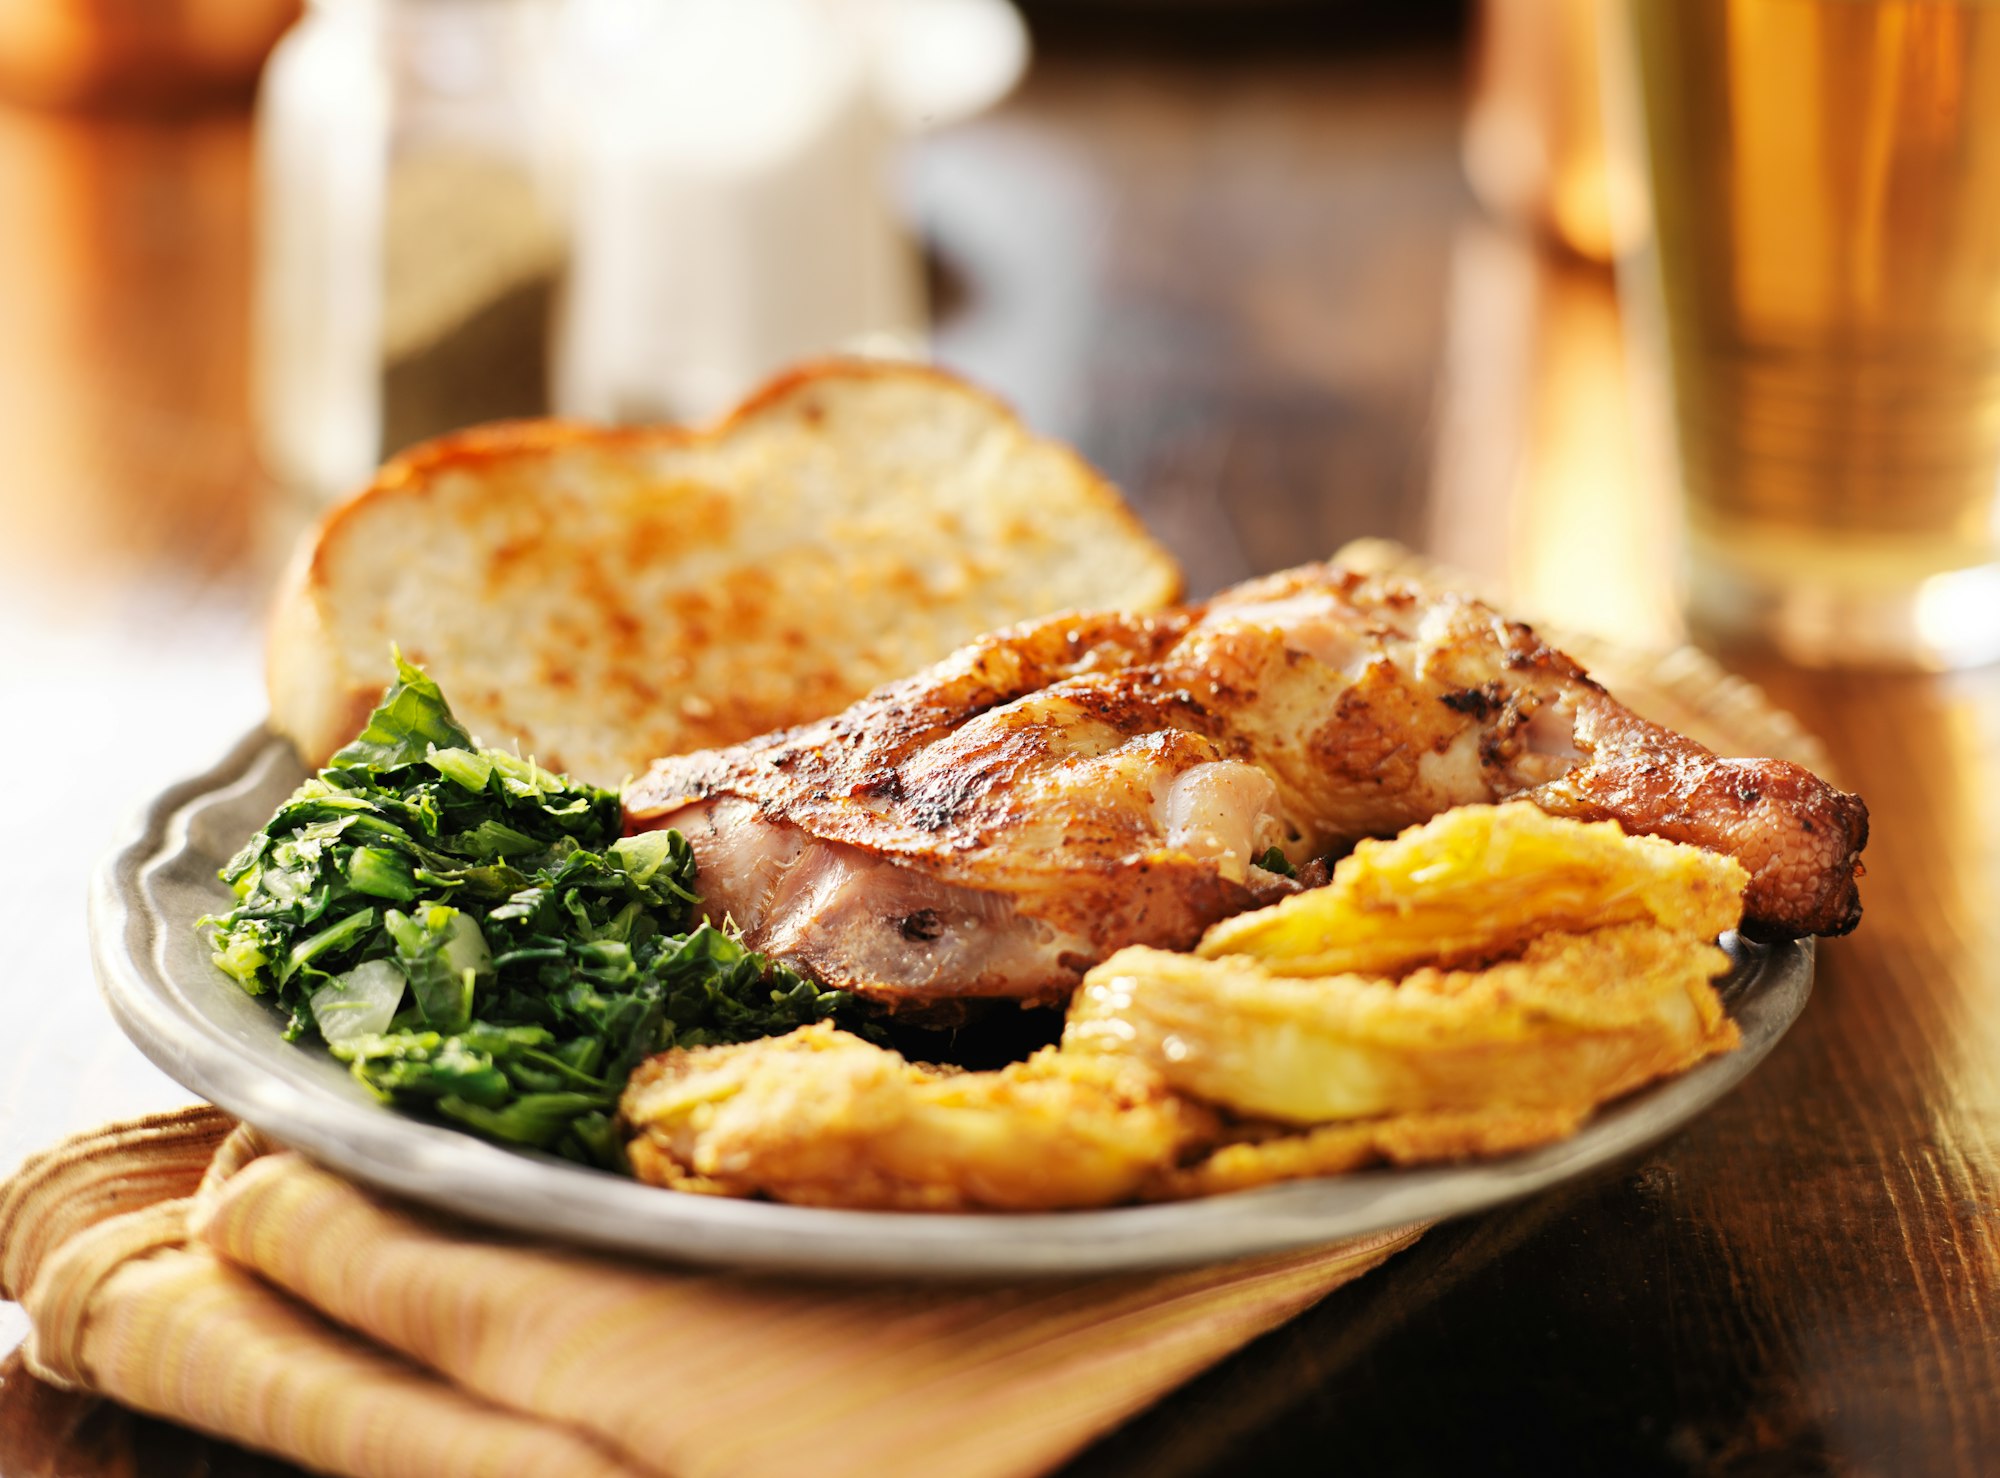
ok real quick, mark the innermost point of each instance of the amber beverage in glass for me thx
(1823, 268)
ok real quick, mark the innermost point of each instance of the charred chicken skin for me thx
(996, 824)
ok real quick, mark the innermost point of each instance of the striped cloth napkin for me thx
(183, 1266)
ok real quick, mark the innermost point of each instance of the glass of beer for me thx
(1822, 271)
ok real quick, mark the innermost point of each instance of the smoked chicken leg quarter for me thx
(998, 823)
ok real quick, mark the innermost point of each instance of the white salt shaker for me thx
(733, 203)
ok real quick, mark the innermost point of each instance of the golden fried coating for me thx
(1475, 884)
(1340, 1028)
(1577, 1020)
(1258, 1154)
(823, 1118)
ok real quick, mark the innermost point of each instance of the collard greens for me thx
(476, 938)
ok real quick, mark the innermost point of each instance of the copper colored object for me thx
(84, 53)
(1534, 137)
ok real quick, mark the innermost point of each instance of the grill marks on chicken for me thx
(846, 915)
(998, 823)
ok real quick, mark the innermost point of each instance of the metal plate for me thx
(205, 1032)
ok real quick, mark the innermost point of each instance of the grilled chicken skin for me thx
(998, 823)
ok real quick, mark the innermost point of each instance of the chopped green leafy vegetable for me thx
(474, 937)
(1274, 860)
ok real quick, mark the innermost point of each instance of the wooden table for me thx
(1252, 288)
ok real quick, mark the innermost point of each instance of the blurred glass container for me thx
(733, 204)
(1534, 136)
(1821, 287)
(410, 164)
(614, 209)
(734, 193)
(87, 53)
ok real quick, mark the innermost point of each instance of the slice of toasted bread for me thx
(601, 597)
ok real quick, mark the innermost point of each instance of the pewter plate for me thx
(199, 1027)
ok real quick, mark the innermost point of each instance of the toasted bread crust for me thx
(604, 595)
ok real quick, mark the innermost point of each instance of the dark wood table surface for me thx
(1251, 285)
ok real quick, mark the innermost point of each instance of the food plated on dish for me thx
(1128, 903)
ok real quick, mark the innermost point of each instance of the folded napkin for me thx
(184, 1266)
